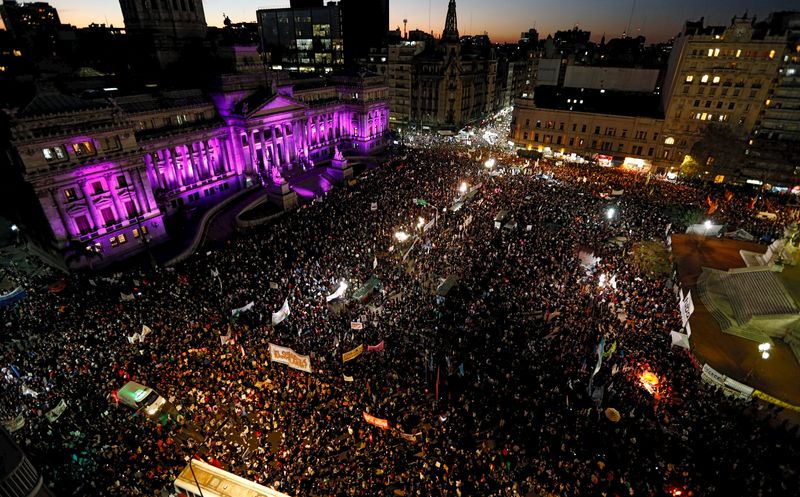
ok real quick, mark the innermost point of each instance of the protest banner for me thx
(350, 355)
(15, 424)
(375, 348)
(285, 355)
(56, 412)
(380, 423)
(236, 312)
(356, 325)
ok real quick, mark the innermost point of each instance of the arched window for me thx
(669, 141)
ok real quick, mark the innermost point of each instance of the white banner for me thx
(56, 412)
(236, 312)
(679, 339)
(126, 297)
(285, 355)
(712, 376)
(373, 206)
(15, 424)
(338, 293)
(283, 313)
(355, 325)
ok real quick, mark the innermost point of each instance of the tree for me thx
(719, 151)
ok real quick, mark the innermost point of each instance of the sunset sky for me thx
(504, 20)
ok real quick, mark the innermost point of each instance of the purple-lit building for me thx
(101, 176)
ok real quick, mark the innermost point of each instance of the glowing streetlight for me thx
(489, 163)
(14, 228)
(610, 213)
(420, 223)
(707, 224)
(764, 348)
(463, 187)
(765, 355)
(401, 236)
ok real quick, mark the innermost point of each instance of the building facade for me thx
(161, 30)
(104, 179)
(611, 139)
(398, 79)
(302, 39)
(719, 74)
(452, 80)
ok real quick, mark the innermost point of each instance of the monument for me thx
(339, 169)
(278, 190)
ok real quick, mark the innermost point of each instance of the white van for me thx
(138, 396)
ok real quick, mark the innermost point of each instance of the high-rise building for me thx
(302, 39)
(723, 75)
(305, 4)
(162, 29)
(365, 25)
(401, 63)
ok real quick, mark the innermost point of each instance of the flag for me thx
(145, 331)
(728, 195)
(347, 378)
(752, 204)
(241, 349)
(600, 350)
(273, 285)
(712, 205)
(610, 350)
(375, 263)
(29, 391)
(437, 383)
(338, 293)
(283, 313)
(373, 206)
(223, 339)
(236, 312)
(215, 273)
(376, 348)
(355, 325)
(56, 412)
(126, 297)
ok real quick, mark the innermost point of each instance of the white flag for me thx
(28, 391)
(375, 263)
(282, 314)
(236, 312)
(126, 297)
(338, 293)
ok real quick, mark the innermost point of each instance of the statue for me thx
(337, 154)
(274, 171)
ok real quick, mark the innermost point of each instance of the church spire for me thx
(450, 32)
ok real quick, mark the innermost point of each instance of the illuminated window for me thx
(772, 54)
(121, 239)
(715, 80)
(703, 116)
(768, 102)
(113, 241)
(689, 78)
(710, 52)
(69, 194)
(716, 52)
(83, 148)
(669, 141)
(704, 79)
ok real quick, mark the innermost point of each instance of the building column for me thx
(122, 213)
(264, 154)
(98, 219)
(65, 227)
(275, 149)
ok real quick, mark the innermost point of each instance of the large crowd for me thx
(490, 389)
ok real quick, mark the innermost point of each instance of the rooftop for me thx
(599, 101)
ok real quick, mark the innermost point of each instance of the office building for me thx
(302, 39)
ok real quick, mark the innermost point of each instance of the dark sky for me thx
(504, 20)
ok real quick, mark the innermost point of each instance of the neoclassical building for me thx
(101, 176)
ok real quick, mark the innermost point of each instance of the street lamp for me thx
(420, 223)
(401, 236)
(764, 349)
(489, 163)
(14, 228)
(610, 213)
(463, 187)
(707, 224)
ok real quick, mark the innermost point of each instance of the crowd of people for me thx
(498, 387)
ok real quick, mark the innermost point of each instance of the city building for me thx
(100, 180)
(18, 477)
(724, 75)
(401, 62)
(162, 31)
(612, 128)
(22, 18)
(302, 39)
(452, 81)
